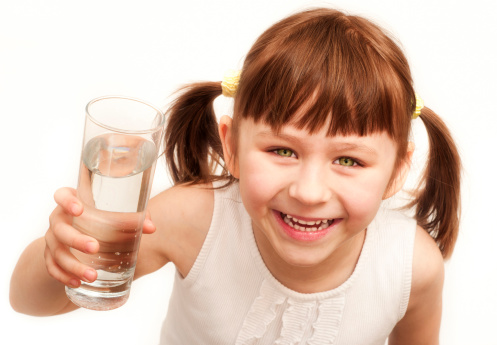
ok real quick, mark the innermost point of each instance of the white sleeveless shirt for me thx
(230, 297)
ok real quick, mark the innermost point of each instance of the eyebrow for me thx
(347, 146)
(280, 135)
(338, 146)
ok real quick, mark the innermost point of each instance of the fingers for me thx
(66, 221)
(67, 199)
(63, 232)
(63, 266)
(57, 273)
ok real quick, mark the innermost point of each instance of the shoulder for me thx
(182, 216)
(428, 264)
(183, 205)
(421, 323)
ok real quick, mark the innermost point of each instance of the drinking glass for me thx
(121, 142)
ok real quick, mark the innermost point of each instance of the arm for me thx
(181, 215)
(47, 265)
(421, 323)
(37, 283)
(32, 290)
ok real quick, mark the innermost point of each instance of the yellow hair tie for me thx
(230, 82)
(419, 105)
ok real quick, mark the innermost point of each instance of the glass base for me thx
(96, 300)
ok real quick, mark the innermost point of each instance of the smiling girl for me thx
(276, 223)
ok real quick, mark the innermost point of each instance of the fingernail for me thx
(149, 223)
(75, 208)
(90, 276)
(91, 247)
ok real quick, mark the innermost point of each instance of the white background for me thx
(56, 55)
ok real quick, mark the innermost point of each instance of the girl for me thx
(276, 223)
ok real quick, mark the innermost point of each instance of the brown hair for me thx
(353, 73)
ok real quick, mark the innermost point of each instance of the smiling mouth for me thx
(307, 226)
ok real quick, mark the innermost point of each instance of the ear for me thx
(401, 174)
(226, 134)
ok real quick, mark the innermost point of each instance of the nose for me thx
(311, 186)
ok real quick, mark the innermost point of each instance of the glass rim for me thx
(120, 130)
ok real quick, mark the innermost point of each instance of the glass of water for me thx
(120, 147)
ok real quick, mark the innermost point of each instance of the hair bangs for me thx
(325, 68)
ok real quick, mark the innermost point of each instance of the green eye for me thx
(284, 152)
(346, 161)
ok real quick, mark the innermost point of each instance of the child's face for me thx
(338, 181)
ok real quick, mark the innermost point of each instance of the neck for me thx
(329, 274)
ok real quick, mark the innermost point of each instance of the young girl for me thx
(276, 223)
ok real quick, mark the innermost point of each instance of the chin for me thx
(304, 256)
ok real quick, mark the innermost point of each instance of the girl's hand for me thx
(61, 264)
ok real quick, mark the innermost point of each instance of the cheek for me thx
(258, 182)
(362, 200)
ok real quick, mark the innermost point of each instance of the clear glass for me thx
(120, 146)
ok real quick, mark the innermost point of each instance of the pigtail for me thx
(437, 201)
(192, 145)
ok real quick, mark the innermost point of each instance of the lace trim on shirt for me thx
(329, 317)
(261, 314)
(325, 316)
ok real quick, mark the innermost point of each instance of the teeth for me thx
(300, 225)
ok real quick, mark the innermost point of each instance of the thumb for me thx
(148, 225)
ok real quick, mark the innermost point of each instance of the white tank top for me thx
(230, 297)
